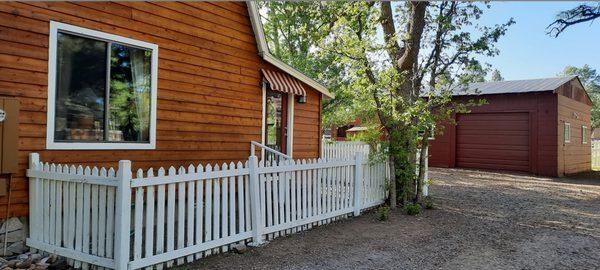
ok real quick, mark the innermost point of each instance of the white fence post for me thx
(255, 207)
(426, 177)
(34, 211)
(123, 215)
(358, 183)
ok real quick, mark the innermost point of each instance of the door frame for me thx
(290, 120)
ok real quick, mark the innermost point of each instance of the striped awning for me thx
(283, 82)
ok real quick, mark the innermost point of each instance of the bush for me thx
(428, 203)
(383, 213)
(412, 209)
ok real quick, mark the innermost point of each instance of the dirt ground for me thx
(483, 220)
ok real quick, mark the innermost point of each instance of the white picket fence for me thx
(343, 149)
(595, 155)
(180, 215)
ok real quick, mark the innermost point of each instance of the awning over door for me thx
(283, 82)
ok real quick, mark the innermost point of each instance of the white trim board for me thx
(263, 51)
(55, 27)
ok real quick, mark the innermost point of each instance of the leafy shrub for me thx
(428, 204)
(412, 209)
(383, 213)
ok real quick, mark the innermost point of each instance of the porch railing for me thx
(267, 154)
(157, 218)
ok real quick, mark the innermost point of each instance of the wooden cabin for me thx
(160, 84)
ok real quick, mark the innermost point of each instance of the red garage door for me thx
(493, 141)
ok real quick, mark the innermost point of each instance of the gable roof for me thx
(516, 86)
(263, 51)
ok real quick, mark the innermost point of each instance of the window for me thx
(102, 90)
(567, 132)
(584, 135)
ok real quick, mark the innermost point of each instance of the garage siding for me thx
(493, 136)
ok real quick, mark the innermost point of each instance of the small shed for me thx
(540, 126)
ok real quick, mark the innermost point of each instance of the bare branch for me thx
(579, 14)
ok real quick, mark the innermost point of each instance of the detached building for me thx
(540, 126)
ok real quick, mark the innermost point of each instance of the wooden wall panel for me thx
(574, 156)
(307, 135)
(209, 96)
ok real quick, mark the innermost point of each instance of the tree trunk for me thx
(422, 157)
(393, 195)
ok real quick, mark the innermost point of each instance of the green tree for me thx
(294, 32)
(496, 76)
(400, 63)
(591, 81)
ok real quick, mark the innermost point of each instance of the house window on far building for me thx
(584, 136)
(567, 132)
(102, 92)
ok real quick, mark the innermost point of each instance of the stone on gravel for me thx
(10, 225)
(239, 248)
(11, 237)
(23, 264)
(17, 247)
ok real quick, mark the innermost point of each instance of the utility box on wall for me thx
(9, 140)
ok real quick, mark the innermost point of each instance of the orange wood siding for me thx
(307, 135)
(574, 108)
(209, 97)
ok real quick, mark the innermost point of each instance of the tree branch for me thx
(581, 13)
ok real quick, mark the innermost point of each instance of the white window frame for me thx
(567, 131)
(584, 135)
(56, 27)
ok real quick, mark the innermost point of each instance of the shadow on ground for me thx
(483, 220)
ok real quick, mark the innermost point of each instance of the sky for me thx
(527, 52)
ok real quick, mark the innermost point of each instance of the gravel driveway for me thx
(483, 220)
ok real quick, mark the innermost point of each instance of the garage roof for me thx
(517, 86)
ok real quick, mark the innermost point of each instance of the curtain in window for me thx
(140, 76)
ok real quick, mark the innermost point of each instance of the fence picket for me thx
(224, 206)
(216, 208)
(209, 212)
(160, 216)
(199, 233)
(149, 236)
(241, 200)
(191, 200)
(232, 192)
(102, 218)
(181, 214)
(171, 214)
(138, 219)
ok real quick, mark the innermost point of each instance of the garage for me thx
(493, 141)
(539, 126)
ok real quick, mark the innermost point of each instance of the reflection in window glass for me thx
(129, 94)
(274, 118)
(80, 89)
(81, 106)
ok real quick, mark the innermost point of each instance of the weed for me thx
(383, 213)
(412, 209)
(428, 203)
